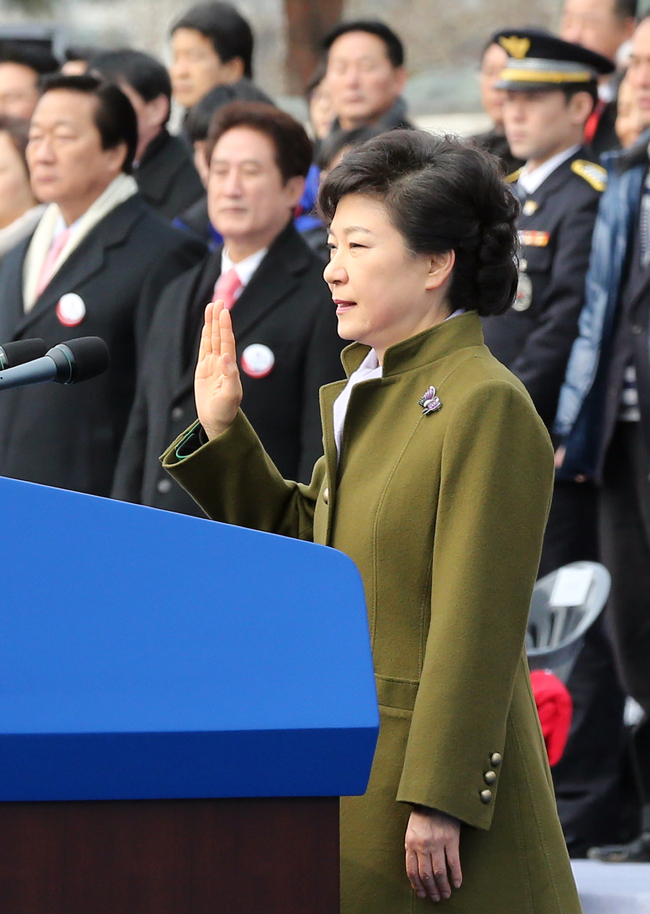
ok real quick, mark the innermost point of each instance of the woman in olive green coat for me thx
(436, 480)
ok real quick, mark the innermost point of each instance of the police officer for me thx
(551, 88)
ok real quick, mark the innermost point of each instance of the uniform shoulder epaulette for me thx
(593, 174)
(510, 179)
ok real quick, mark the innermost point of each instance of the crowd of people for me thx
(112, 226)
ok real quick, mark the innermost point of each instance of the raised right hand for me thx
(217, 386)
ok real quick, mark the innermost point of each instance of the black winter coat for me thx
(286, 307)
(70, 436)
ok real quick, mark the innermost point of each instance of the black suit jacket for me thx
(70, 436)
(535, 343)
(166, 176)
(285, 306)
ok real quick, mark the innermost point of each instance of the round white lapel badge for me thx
(257, 360)
(71, 309)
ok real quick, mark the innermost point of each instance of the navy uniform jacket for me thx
(70, 436)
(286, 307)
(534, 337)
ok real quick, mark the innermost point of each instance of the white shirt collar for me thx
(530, 181)
(246, 267)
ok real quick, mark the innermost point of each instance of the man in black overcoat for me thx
(164, 167)
(282, 312)
(95, 264)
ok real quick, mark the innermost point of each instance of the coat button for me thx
(486, 796)
(490, 777)
(164, 486)
(636, 329)
(177, 413)
(496, 759)
(326, 496)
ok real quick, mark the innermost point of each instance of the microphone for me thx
(21, 351)
(67, 363)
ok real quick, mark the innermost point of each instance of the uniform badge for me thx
(524, 294)
(530, 207)
(257, 360)
(533, 239)
(429, 402)
(516, 47)
(71, 309)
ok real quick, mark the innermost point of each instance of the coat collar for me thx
(275, 278)
(84, 261)
(422, 349)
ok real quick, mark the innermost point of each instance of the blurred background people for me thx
(195, 218)
(212, 44)
(94, 265)
(287, 340)
(163, 166)
(493, 61)
(19, 208)
(365, 75)
(21, 66)
(629, 122)
(604, 418)
(603, 26)
(321, 109)
(76, 59)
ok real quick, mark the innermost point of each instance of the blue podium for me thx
(182, 703)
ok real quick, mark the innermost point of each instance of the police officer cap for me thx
(539, 60)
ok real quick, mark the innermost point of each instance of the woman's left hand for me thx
(432, 847)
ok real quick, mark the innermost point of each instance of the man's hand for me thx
(432, 853)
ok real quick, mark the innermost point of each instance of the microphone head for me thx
(81, 359)
(21, 351)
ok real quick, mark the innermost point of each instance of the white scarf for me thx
(119, 190)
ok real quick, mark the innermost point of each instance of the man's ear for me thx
(581, 104)
(440, 267)
(400, 77)
(233, 70)
(157, 111)
(295, 188)
(116, 156)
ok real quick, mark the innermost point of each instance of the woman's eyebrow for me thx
(357, 228)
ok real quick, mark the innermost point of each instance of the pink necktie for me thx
(226, 287)
(47, 269)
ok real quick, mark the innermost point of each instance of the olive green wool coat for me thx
(444, 515)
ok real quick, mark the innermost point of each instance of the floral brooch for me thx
(429, 402)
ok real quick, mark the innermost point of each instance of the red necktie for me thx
(226, 287)
(47, 270)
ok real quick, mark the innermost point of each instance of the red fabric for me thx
(226, 287)
(592, 122)
(555, 710)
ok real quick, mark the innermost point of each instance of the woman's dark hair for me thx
(229, 32)
(199, 117)
(441, 194)
(17, 129)
(114, 115)
(293, 148)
